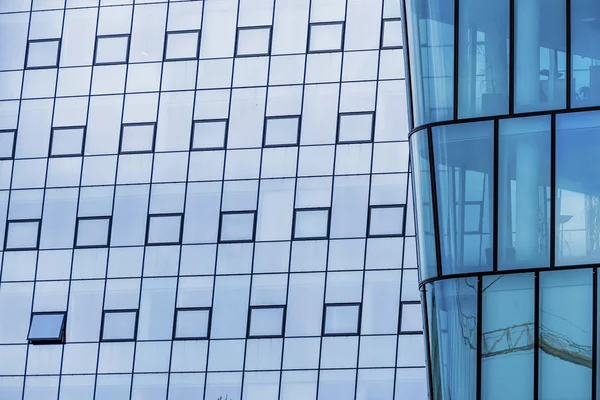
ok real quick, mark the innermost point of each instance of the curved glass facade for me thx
(505, 101)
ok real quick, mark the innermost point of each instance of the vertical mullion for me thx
(407, 69)
(536, 337)
(553, 191)
(479, 334)
(427, 341)
(594, 333)
(434, 205)
(568, 54)
(511, 56)
(456, 66)
(495, 205)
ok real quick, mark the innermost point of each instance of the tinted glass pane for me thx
(46, 326)
(585, 61)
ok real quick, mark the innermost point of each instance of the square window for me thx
(164, 229)
(112, 49)
(67, 141)
(341, 319)
(253, 41)
(266, 321)
(183, 45)
(356, 127)
(93, 231)
(7, 144)
(326, 36)
(386, 220)
(192, 323)
(311, 223)
(391, 34)
(47, 327)
(22, 234)
(42, 53)
(209, 134)
(119, 325)
(137, 138)
(282, 131)
(237, 226)
(411, 319)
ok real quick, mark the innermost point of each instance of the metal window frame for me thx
(283, 307)
(126, 125)
(164, 215)
(309, 209)
(384, 206)
(334, 50)
(60, 339)
(93, 246)
(112, 36)
(14, 144)
(182, 32)
(351, 114)
(297, 117)
(184, 309)
(120, 311)
(28, 48)
(382, 37)
(201, 121)
(249, 28)
(64, 128)
(225, 213)
(25, 221)
(358, 322)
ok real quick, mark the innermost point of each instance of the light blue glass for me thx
(431, 44)
(565, 335)
(423, 200)
(524, 193)
(540, 60)
(464, 174)
(508, 332)
(585, 61)
(577, 189)
(452, 312)
(483, 57)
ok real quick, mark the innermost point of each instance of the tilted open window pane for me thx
(209, 134)
(193, 323)
(47, 327)
(327, 36)
(266, 321)
(391, 34)
(282, 131)
(237, 226)
(356, 127)
(112, 49)
(341, 319)
(253, 41)
(411, 319)
(311, 223)
(182, 45)
(7, 144)
(386, 220)
(137, 138)
(119, 325)
(43, 53)
(67, 141)
(164, 229)
(93, 231)
(22, 234)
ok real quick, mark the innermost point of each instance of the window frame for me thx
(14, 144)
(182, 32)
(383, 22)
(25, 220)
(125, 125)
(308, 209)
(383, 206)
(209, 322)
(93, 246)
(164, 215)
(283, 307)
(224, 213)
(28, 49)
(358, 318)
(275, 117)
(342, 37)
(401, 311)
(64, 128)
(112, 36)
(225, 134)
(350, 114)
(249, 28)
(116, 311)
(58, 340)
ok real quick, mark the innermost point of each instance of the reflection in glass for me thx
(524, 193)
(507, 337)
(565, 354)
(577, 189)
(540, 61)
(431, 41)
(585, 61)
(423, 199)
(452, 316)
(483, 62)
(464, 163)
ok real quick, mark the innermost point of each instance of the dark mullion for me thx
(495, 205)
(427, 341)
(511, 57)
(434, 205)
(407, 78)
(479, 334)
(594, 333)
(552, 241)
(456, 66)
(568, 54)
(536, 337)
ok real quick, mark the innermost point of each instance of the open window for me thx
(137, 138)
(210, 134)
(164, 229)
(42, 53)
(182, 45)
(111, 49)
(93, 232)
(411, 320)
(391, 33)
(119, 325)
(253, 41)
(67, 141)
(22, 234)
(356, 127)
(237, 226)
(326, 37)
(47, 327)
(282, 131)
(192, 323)
(386, 220)
(266, 321)
(311, 223)
(341, 319)
(7, 144)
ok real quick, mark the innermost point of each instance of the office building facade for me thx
(505, 108)
(206, 200)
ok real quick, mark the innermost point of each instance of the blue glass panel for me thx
(464, 172)
(431, 43)
(423, 201)
(483, 58)
(452, 312)
(585, 61)
(565, 355)
(524, 193)
(540, 60)
(577, 189)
